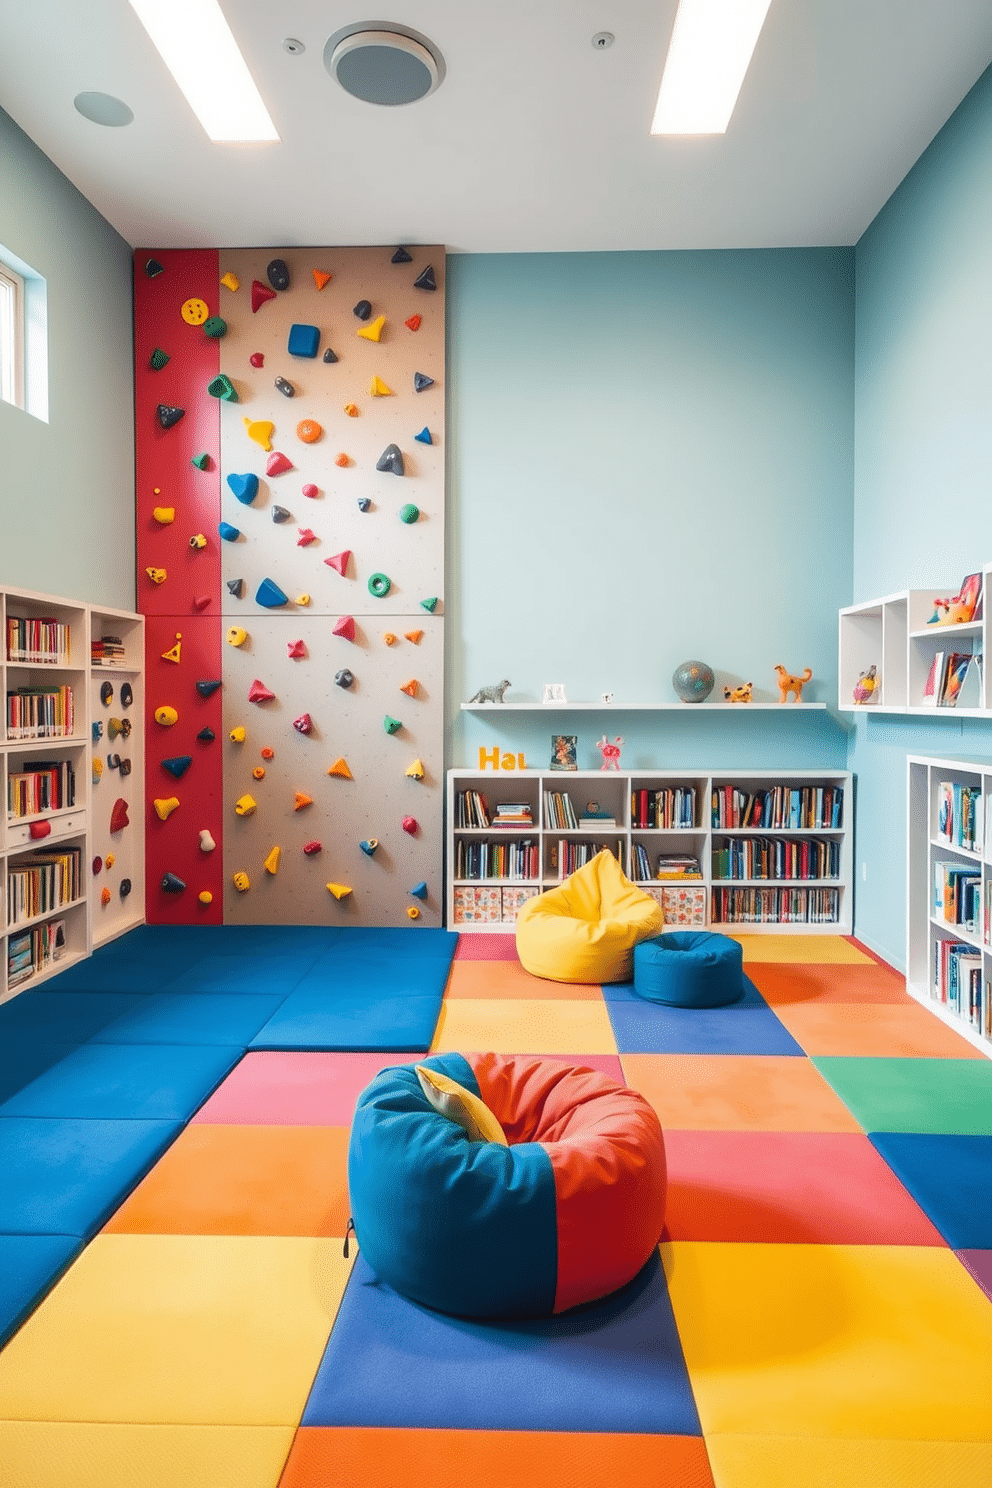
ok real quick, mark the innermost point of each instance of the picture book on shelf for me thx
(564, 751)
(932, 686)
(955, 669)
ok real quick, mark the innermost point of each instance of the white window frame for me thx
(12, 311)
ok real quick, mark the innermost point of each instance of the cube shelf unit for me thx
(939, 853)
(614, 792)
(893, 635)
(40, 818)
(127, 847)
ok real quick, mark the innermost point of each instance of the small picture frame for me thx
(970, 598)
(564, 751)
(554, 692)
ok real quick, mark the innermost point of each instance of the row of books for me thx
(957, 980)
(959, 814)
(107, 651)
(511, 858)
(40, 713)
(670, 865)
(955, 677)
(777, 857)
(774, 906)
(41, 787)
(37, 642)
(559, 811)
(43, 882)
(471, 809)
(663, 809)
(565, 857)
(33, 950)
(957, 894)
(780, 808)
(513, 814)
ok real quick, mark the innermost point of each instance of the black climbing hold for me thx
(153, 267)
(107, 694)
(168, 415)
(177, 765)
(172, 884)
(364, 503)
(401, 256)
(206, 689)
(425, 280)
(127, 696)
(421, 381)
(391, 460)
(125, 888)
(207, 735)
(344, 678)
(330, 356)
(363, 309)
(277, 273)
(281, 514)
(286, 388)
(236, 587)
(125, 767)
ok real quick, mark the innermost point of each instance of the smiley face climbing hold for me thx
(194, 312)
(241, 882)
(157, 575)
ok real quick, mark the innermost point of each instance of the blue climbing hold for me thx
(207, 735)
(177, 765)
(369, 846)
(277, 273)
(304, 340)
(363, 310)
(421, 381)
(270, 595)
(228, 533)
(424, 437)
(245, 487)
(172, 884)
(419, 891)
(364, 503)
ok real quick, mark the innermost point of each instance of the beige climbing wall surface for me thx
(307, 510)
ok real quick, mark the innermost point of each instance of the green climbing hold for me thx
(222, 387)
(215, 327)
(391, 725)
(430, 605)
(158, 359)
(409, 513)
(201, 461)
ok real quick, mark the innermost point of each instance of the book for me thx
(955, 668)
(935, 677)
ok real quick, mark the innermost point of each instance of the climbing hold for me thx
(281, 514)
(104, 896)
(118, 815)
(389, 638)
(306, 537)
(177, 765)
(165, 806)
(379, 585)
(259, 772)
(227, 532)
(222, 387)
(301, 799)
(363, 310)
(267, 753)
(201, 601)
(378, 388)
(364, 503)
(119, 726)
(414, 636)
(97, 769)
(295, 649)
(127, 696)
(419, 891)
(215, 327)
(413, 323)
(174, 653)
(236, 635)
(231, 281)
(259, 294)
(410, 825)
(277, 273)
(345, 627)
(97, 864)
(304, 340)
(411, 687)
(391, 460)
(425, 280)
(238, 734)
(421, 381)
(344, 678)
(409, 513)
(194, 311)
(401, 256)
(110, 860)
(340, 891)
(245, 805)
(169, 415)
(153, 268)
(424, 437)
(272, 861)
(373, 331)
(208, 686)
(339, 561)
(303, 724)
(259, 693)
(351, 410)
(269, 595)
(277, 463)
(97, 730)
(207, 843)
(342, 460)
(330, 356)
(204, 897)
(309, 430)
(311, 848)
(413, 912)
(197, 542)
(320, 278)
(415, 771)
(368, 847)
(303, 599)
(125, 888)
(202, 462)
(107, 693)
(241, 882)
(311, 490)
(340, 767)
(430, 605)
(172, 883)
(257, 359)
(259, 431)
(166, 716)
(158, 359)
(236, 587)
(157, 575)
(284, 386)
(391, 725)
(207, 735)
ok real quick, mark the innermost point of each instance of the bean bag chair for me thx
(690, 968)
(585, 930)
(567, 1207)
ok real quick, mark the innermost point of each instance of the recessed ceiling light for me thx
(196, 45)
(709, 53)
(103, 108)
(383, 63)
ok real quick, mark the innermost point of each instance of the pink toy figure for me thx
(610, 752)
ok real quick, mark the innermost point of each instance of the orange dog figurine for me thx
(788, 683)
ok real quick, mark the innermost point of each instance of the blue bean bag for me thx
(689, 968)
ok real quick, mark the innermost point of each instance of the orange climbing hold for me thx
(410, 688)
(300, 799)
(389, 638)
(340, 767)
(343, 460)
(351, 410)
(320, 278)
(413, 635)
(413, 323)
(309, 430)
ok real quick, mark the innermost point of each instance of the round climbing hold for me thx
(410, 825)
(413, 912)
(389, 638)
(215, 327)
(379, 585)
(205, 897)
(194, 312)
(125, 888)
(166, 716)
(351, 409)
(97, 864)
(409, 513)
(277, 273)
(363, 309)
(257, 359)
(236, 635)
(342, 460)
(197, 542)
(309, 430)
(107, 693)
(259, 772)
(267, 753)
(344, 678)
(311, 490)
(238, 734)
(303, 600)
(104, 896)
(242, 882)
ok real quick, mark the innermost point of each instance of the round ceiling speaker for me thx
(383, 63)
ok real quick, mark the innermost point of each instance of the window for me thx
(23, 336)
(11, 336)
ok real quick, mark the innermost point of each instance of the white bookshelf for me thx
(931, 852)
(66, 931)
(613, 791)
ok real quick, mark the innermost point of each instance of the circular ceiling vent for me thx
(380, 62)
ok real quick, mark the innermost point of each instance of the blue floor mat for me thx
(153, 1082)
(745, 1027)
(346, 972)
(24, 1056)
(322, 1020)
(63, 1017)
(190, 1018)
(30, 1265)
(270, 972)
(950, 1177)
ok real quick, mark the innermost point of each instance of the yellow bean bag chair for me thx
(585, 930)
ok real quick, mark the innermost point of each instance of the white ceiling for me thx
(534, 141)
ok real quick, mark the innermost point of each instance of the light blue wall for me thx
(650, 459)
(67, 486)
(923, 455)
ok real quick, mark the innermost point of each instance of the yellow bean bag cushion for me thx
(585, 930)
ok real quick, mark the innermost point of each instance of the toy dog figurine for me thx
(742, 694)
(788, 683)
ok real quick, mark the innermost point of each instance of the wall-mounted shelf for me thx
(640, 707)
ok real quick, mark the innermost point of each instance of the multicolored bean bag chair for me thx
(586, 928)
(488, 1186)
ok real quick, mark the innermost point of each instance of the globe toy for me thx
(693, 681)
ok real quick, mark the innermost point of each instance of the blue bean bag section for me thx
(30, 1265)
(689, 968)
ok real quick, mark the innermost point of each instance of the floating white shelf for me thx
(640, 707)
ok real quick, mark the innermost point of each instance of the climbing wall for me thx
(307, 467)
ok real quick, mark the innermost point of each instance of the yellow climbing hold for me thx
(378, 388)
(166, 716)
(194, 312)
(245, 805)
(413, 912)
(260, 431)
(164, 514)
(242, 882)
(238, 734)
(272, 861)
(351, 409)
(415, 771)
(301, 799)
(389, 638)
(259, 772)
(340, 767)
(157, 575)
(410, 688)
(374, 330)
(205, 897)
(110, 860)
(97, 769)
(233, 283)
(236, 635)
(165, 806)
(340, 891)
(173, 653)
(413, 635)
(303, 599)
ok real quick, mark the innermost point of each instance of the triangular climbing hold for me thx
(413, 635)
(177, 765)
(174, 653)
(281, 514)
(340, 767)
(425, 280)
(339, 562)
(415, 771)
(202, 462)
(277, 463)
(259, 431)
(340, 891)
(320, 278)
(413, 323)
(207, 735)
(118, 816)
(158, 359)
(259, 693)
(424, 437)
(222, 387)
(231, 281)
(401, 256)
(301, 799)
(391, 460)
(411, 687)
(208, 686)
(373, 331)
(259, 294)
(345, 627)
(419, 891)
(236, 587)
(303, 724)
(169, 415)
(271, 864)
(391, 725)
(430, 605)
(421, 381)
(378, 388)
(270, 595)
(153, 268)
(330, 356)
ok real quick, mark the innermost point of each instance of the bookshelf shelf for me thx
(638, 707)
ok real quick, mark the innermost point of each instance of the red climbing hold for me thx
(339, 562)
(345, 627)
(259, 294)
(277, 463)
(259, 693)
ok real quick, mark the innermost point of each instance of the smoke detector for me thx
(384, 63)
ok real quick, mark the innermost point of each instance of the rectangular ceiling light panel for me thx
(709, 53)
(196, 45)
